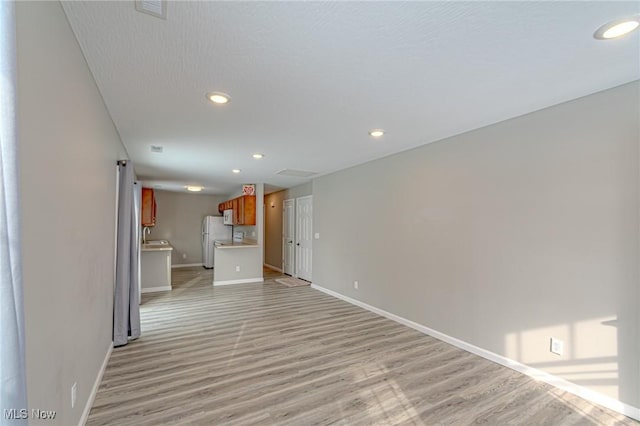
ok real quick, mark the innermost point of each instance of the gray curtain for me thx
(13, 388)
(126, 309)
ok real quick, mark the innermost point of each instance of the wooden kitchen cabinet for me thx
(238, 216)
(236, 213)
(244, 209)
(148, 207)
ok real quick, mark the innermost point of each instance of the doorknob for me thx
(298, 244)
(290, 242)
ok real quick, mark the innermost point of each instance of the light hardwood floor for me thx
(268, 354)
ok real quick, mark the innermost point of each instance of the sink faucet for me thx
(145, 230)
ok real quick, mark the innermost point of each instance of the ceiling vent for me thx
(156, 148)
(157, 8)
(296, 173)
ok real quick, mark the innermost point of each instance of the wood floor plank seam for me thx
(261, 354)
(245, 375)
(194, 350)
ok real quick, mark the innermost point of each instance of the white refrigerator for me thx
(212, 230)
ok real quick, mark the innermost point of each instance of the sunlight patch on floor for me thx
(391, 403)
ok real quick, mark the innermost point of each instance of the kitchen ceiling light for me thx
(615, 29)
(376, 133)
(236, 171)
(258, 156)
(194, 188)
(218, 97)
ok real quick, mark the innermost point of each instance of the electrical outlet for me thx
(74, 391)
(253, 233)
(355, 285)
(557, 346)
(237, 269)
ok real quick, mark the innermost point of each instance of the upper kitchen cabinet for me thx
(236, 212)
(148, 207)
(244, 209)
(227, 205)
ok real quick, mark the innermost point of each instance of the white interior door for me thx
(288, 235)
(304, 233)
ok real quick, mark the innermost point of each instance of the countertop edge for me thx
(236, 244)
(161, 248)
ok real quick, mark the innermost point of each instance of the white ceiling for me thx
(308, 80)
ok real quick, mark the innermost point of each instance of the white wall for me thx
(179, 220)
(299, 191)
(503, 237)
(68, 149)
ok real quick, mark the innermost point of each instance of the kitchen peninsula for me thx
(155, 266)
(237, 262)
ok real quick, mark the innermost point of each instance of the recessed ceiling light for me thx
(618, 28)
(218, 97)
(194, 188)
(236, 170)
(258, 156)
(376, 133)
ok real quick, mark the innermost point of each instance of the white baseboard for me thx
(185, 265)
(244, 281)
(155, 289)
(588, 394)
(94, 390)
(275, 268)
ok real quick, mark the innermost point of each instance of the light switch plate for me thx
(317, 236)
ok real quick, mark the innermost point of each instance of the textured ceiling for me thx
(308, 80)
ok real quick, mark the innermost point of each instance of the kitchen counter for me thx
(158, 245)
(237, 266)
(155, 266)
(229, 244)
